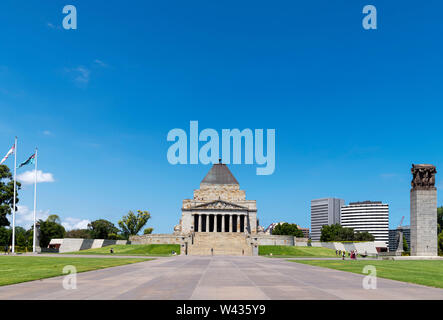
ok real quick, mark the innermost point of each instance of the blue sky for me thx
(352, 108)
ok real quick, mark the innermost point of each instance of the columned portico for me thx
(231, 222)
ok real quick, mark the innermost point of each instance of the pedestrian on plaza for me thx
(212, 251)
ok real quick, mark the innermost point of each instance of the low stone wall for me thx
(277, 240)
(77, 244)
(361, 247)
(157, 239)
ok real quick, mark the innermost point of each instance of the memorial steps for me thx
(227, 243)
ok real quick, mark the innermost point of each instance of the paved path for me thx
(217, 278)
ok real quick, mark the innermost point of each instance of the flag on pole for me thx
(29, 161)
(11, 151)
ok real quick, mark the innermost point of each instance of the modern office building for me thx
(324, 211)
(370, 216)
(393, 237)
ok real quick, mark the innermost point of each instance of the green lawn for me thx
(134, 250)
(425, 272)
(15, 269)
(292, 251)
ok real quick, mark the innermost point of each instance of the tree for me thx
(5, 236)
(78, 233)
(7, 194)
(54, 218)
(405, 245)
(148, 230)
(287, 229)
(330, 232)
(336, 232)
(50, 229)
(440, 244)
(100, 229)
(440, 219)
(131, 224)
(363, 236)
(20, 237)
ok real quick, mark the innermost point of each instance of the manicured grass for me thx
(291, 251)
(15, 269)
(425, 272)
(134, 250)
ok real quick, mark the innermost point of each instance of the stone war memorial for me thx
(218, 220)
(423, 210)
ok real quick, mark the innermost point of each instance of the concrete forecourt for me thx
(218, 277)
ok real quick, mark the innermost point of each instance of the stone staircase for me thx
(226, 243)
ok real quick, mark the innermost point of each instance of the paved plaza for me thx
(218, 277)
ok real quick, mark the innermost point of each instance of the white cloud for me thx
(100, 63)
(24, 216)
(47, 132)
(75, 223)
(80, 75)
(28, 177)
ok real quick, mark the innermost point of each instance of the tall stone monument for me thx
(423, 210)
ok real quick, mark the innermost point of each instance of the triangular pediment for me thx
(219, 205)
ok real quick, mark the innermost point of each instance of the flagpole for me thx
(13, 206)
(35, 201)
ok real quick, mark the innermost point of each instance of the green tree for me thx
(131, 224)
(54, 218)
(5, 236)
(440, 219)
(50, 230)
(148, 230)
(116, 236)
(20, 237)
(78, 233)
(336, 232)
(287, 229)
(363, 236)
(405, 245)
(330, 232)
(440, 244)
(100, 229)
(7, 194)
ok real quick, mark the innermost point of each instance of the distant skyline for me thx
(352, 109)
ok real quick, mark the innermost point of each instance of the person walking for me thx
(6, 249)
(343, 255)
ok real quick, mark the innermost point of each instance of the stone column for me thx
(223, 223)
(207, 223)
(215, 223)
(238, 223)
(423, 211)
(199, 223)
(230, 223)
(245, 223)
